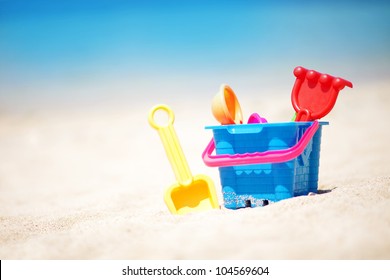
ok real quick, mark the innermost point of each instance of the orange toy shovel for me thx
(189, 193)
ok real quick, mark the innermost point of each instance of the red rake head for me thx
(314, 94)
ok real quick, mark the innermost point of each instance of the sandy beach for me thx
(89, 184)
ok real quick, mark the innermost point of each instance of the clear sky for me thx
(49, 48)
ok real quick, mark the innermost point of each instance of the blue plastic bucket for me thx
(251, 185)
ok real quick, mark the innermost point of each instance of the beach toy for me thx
(269, 156)
(255, 118)
(225, 106)
(261, 163)
(189, 193)
(314, 94)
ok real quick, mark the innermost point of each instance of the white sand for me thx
(89, 185)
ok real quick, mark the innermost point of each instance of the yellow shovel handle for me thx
(171, 145)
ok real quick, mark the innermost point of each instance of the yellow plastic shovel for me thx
(188, 194)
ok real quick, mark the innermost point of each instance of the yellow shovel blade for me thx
(198, 196)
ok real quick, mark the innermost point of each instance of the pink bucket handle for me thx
(273, 156)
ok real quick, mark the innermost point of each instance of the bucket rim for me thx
(276, 124)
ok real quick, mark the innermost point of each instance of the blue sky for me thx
(46, 45)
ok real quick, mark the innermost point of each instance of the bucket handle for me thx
(272, 156)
